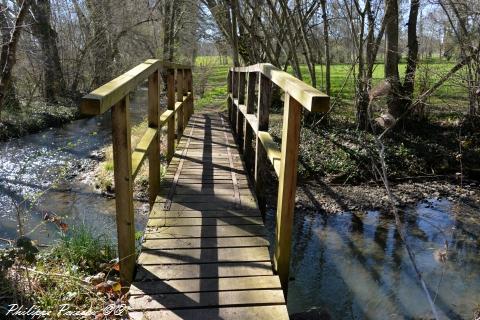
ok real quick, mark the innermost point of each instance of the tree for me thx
(8, 55)
(395, 107)
(326, 40)
(54, 84)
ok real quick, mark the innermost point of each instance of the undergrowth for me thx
(78, 275)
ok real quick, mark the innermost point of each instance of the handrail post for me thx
(185, 105)
(234, 96)
(154, 151)
(230, 95)
(240, 116)
(171, 106)
(122, 163)
(180, 123)
(250, 106)
(287, 186)
(190, 89)
(261, 159)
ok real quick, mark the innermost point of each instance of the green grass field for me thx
(213, 77)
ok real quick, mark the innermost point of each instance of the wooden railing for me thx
(126, 164)
(250, 89)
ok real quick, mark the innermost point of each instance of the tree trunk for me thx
(10, 54)
(54, 84)
(395, 107)
(234, 33)
(103, 50)
(326, 40)
(10, 95)
(412, 58)
(166, 29)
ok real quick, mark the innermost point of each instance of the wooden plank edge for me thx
(273, 151)
(141, 150)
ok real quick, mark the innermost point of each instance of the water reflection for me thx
(354, 266)
(30, 165)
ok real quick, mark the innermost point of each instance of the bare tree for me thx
(54, 84)
(8, 56)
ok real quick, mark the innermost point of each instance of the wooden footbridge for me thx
(205, 253)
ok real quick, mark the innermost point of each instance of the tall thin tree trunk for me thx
(234, 32)
(412, 58)
(395, 107)
(102, 49)
(10, 95)
(54, 84)
(326, 40)
(10, 54)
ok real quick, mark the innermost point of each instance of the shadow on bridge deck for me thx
(205, 254)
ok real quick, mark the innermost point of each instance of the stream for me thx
(344, 266)
(30, 168)
(352, 266)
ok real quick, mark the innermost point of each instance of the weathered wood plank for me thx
(215, 189)
(195, 271)
(178, 221)
(203, 231)
(212, 206)
(203, 255)
(202, 285)
(204, 243)
(158, 211)
(277, 312)
(200, 198)
(207, 299)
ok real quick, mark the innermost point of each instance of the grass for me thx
(343, 85)
(79, 247)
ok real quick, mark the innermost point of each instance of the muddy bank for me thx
(319, 195)
(39, 118)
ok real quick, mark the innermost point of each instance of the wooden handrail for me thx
(309, 97)
(126, 164)
(248, 127)
(103, 98)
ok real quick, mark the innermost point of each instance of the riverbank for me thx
(318, 195)
(75, 277)
(39, 116)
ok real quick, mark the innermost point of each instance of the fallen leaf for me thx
(117, 287)
(103, 287)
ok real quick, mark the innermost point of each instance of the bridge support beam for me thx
(122, 162)
(154, 151)
(287, 187)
